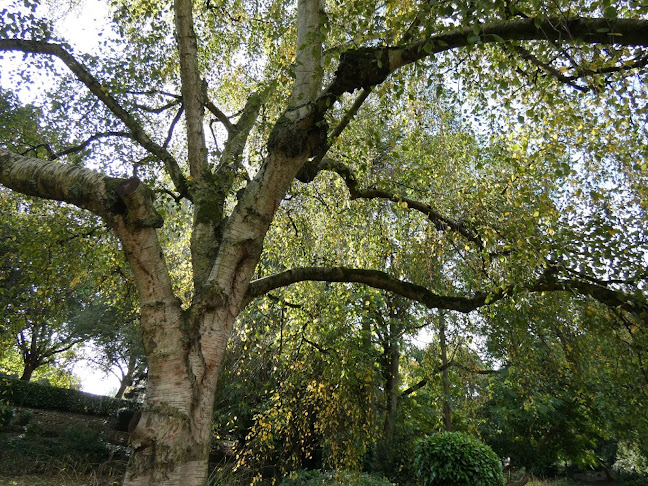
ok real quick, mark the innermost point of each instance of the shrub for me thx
(34, 429)
(81, 440)
(456, 459)
(6, 413)
(24, 417)
(333, 478)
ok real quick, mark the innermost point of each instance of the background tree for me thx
(46, 287)
(114, 337)
(556, 399)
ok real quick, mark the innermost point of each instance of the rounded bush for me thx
(24, 417)
(456, 459)
(333, 478)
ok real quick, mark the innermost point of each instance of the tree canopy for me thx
(451, 156)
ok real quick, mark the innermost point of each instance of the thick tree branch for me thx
(239, 132)
(193, 90)
(363, 68)
(372, 278)
(605, 295)
(61, 182)
(105, 196)
(82, 73)
(208, 232)
(381, 280)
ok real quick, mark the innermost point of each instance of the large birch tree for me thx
(568, 77)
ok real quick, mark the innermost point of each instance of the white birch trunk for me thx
(308, 59)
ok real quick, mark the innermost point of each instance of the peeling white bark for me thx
(61, 182)
(308, 65)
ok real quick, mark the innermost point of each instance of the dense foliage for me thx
(337, 226)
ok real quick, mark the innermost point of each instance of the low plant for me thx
(333, 478)
(80, 440)
(24, 417)
(457, 459)
(6, 414)
(34, 429)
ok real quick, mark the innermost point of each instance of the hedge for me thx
(34, 395)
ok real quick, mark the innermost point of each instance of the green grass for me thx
(52, 481)
(554, 482)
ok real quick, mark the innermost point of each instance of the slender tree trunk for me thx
(524, 479)
(392, 380)
(127, 379)
(447, 410)
(31, 358)
(123, 384)
(28, 371)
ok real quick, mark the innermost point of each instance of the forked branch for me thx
(95, 87)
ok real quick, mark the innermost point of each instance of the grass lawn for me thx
(53, 481)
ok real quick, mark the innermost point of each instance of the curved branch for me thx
(605, 295)
(373, 278)
(159, 109)
(82, 73)
(174, 122)
(440, 222)
(88, 141)
(423, 382)
(381, 280)
(550, 70)
(348, 116)
(311, 168)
